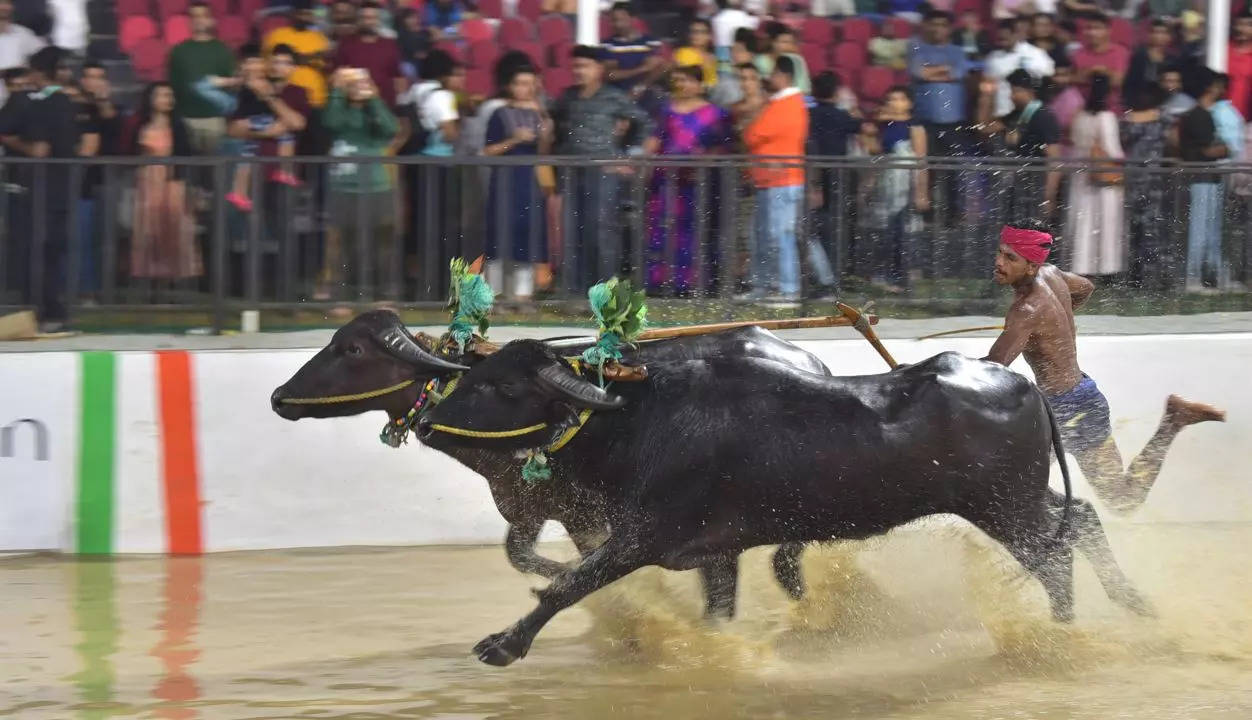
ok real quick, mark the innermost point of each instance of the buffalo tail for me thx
(1059, 448)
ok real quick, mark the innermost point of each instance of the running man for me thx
(1041, 326)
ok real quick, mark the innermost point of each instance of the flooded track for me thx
(930, 622)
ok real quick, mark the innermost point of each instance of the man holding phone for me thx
(362, 198)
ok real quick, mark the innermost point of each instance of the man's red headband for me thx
(1033, 245)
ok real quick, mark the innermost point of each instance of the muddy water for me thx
(930, 622)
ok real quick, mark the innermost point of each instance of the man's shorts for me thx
(1082, 413)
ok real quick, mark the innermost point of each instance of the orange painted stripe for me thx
(180, 475)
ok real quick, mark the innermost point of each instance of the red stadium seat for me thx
(133, 8)
(234, 31)
(135, 29)
(249, 8)
(818, 31)
(1122, 32)
(533, 50)
(177, 29)
(900, 27)
(875, 82)
(559, 54)
(148, 57)
(476, 29)
(530, 9)
(478, 81)
(816, 57)
(857, 30)
(493, 9)
(556, 80)
(453, 49)
(221, 8)
(554, 29)
(272, 23)
(169, 8)
(847, 59)
(484, 54)
(515, 30)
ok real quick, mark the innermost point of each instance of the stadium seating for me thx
(134, 30)
(515, 30)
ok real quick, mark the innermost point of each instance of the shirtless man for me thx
(1041, 326)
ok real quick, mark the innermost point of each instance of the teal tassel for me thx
(536, 468)
(471, 300)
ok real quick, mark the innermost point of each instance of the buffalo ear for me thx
(404, 348)
(558, 379)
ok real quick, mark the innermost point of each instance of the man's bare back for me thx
(1040, 325)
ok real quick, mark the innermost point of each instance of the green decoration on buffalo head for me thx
(622, 314)
(470, 300)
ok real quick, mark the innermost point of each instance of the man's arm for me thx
(1018, 325)
(628, 110)
(1080, 288)
(291, 119)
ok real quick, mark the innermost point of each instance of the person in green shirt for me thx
(192, 60)
(361, 201)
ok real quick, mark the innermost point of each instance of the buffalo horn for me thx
(580, 392)
(404, 348)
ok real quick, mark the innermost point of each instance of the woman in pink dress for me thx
(163, 245)
(689, 125)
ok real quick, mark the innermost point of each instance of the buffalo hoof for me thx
(1063, 614)
(500, 649)
(1130, 599)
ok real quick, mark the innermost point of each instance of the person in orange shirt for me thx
(311, 47)
(779, 129)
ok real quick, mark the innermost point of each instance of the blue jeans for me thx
(1204, 236)
(775, 265)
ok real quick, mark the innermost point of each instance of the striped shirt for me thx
(630, 53)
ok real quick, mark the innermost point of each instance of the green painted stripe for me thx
(96, 453)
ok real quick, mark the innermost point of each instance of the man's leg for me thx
(1197, 229)
(783, 210)
(761, 263)
(52, 309)
(1123, 491)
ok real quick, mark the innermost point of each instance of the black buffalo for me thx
(711, 457)
(375, 352)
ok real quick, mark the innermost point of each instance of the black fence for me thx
(175, 233)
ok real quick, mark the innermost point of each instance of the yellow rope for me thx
(348, 398)
(489, 434)
(569, 434)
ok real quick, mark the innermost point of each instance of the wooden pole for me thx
(961, 330)
(790, 324)
(863, 324)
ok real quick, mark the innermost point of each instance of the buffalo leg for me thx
(787, 569)
(1086, 534)
(721, 583)
(519, 548)
(614, 559)
(1049, 559)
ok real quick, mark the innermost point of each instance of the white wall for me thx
(269, 483)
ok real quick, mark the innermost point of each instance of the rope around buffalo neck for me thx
(335, 399)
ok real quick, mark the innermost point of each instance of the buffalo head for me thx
(372, 363)
(517, 398)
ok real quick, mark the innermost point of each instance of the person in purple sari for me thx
(688, 125)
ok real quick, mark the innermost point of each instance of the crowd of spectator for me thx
(904, 79)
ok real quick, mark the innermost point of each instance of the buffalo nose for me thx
(425, 428)
(276, 399)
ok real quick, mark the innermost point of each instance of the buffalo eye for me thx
(354, 350)
(510, 390)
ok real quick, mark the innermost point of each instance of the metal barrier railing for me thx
(164, 232)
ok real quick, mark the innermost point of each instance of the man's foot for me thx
(825, 292)
(782, 302)
(241, 203)
(1184, 412)
(285, 178)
